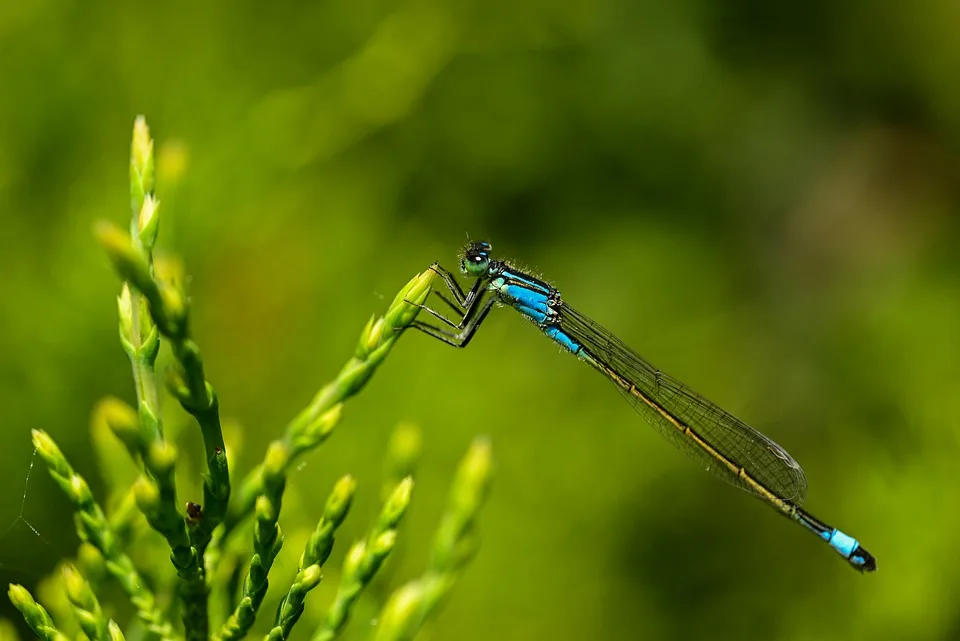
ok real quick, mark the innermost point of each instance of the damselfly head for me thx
(476, 258)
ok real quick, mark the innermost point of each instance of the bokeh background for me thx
(760, 197)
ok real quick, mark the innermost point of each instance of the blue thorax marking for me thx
(510, 275)
(527, 295)
(535, 300)
(520, 296)
(537, 316)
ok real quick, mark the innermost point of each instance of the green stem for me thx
(267, 541)
(364, 559)
(151, 306)
(312, 425)
(86, 608)
(92, 527)
(197, 397)
(454, 546)
(292, 605)
(314, 555)
(34, 614)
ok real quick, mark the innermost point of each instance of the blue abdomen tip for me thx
(843, 543)
(850, 549)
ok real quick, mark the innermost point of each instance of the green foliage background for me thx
(760, 197)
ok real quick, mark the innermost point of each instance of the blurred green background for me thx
(760, 197)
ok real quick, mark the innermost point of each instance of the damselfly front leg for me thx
(466, 301)
(468, 326)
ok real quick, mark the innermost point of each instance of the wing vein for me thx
(743, 446)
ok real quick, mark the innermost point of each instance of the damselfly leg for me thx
(472, 314)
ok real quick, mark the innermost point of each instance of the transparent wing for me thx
(760, 457)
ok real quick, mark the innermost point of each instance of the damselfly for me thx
(725, 445)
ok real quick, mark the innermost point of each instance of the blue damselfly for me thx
(725, 445)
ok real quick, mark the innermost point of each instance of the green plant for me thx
(201, 540)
